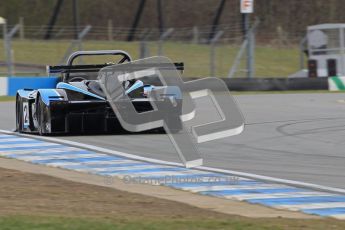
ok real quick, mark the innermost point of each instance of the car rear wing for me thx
(98, 67)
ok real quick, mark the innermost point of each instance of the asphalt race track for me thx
(291, 136)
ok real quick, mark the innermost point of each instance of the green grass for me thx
(237, 223)
(270, 61)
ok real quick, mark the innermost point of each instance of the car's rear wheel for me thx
(19, 114)
(42, 111)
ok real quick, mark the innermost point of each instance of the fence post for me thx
(8, 47)
(250, 52)
(76, 42)
(144, 51)
(301, 51)
(250, 47)
(213, 42)
(195, 35)
(21, 31)
(110, 30)
(237, 59)
(4, 34)
(164, 36)
(57, 34)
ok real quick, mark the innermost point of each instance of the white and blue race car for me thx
(78, 103)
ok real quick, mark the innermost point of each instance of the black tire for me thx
(42, 116)
(19, 114)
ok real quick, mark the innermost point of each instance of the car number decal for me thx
(26, 120)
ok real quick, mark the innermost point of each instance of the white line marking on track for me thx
(296, 207)
(339, 216)
(140, 167)
(152, 174)
(102, 162)
(21, 139)
(61, 164)
(30, 151)
(235, 187)
(9, 146)
(277, 195)
(92, 163)
(4, 135)
(59, 156)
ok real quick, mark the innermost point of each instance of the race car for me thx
(78, 103)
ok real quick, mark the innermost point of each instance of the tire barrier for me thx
(277, 84)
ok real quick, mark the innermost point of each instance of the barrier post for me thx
(4, 33)
(8, 47)
(144, 50)
(213, 43)
(110, 30)
(21, 30)
(164, 36)
(302, 46)
(76, 42)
